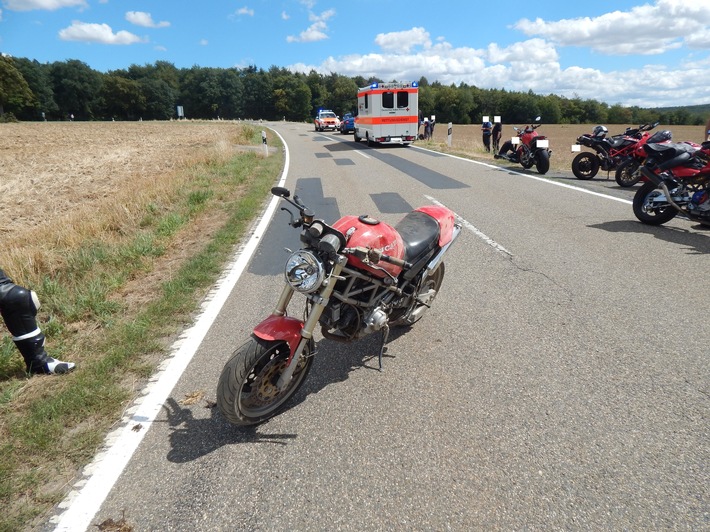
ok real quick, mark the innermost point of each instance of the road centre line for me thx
(495, 245)
(543, 179)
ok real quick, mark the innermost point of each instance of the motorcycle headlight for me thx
(304, 271)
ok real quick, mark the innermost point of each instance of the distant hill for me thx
(695, 110)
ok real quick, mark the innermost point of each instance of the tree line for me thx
(70, 89)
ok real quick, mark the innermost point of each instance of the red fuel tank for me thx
(367, 232)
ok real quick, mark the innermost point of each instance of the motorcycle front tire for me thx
(627, 174)
(658, 215)
(247, 392)
(585, 165)
(542, 161)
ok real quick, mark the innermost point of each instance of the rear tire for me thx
(543, 161)
(428, 291)
(585, 165)
(247, 392)
(657, 216)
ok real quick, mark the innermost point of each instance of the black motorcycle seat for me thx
(681, 159)
(420, 234)
(666, 151)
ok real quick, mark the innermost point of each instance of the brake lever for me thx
(292, 222)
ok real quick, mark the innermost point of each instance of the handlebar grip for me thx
(397, 262)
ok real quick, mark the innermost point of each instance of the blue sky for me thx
(653, 53)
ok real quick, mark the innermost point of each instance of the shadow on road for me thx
(194, 437)
(697, 241)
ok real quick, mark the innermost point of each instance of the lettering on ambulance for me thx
(389, 120)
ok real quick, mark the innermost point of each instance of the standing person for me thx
(497, 133)
(707, 131)
(427, 131)
(18, 307)
(486, 130)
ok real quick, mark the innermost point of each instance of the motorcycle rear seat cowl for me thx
(420, 234)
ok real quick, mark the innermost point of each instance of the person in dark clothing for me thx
(707, 131)
(18, 307)
(486, 129)
(496, 135)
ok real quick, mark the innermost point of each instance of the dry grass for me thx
(72, 182)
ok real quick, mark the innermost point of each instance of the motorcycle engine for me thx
(341, 321)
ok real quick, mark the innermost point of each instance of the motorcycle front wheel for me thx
(627, 174)
(585, 165)
(247, 391)
(542, 163)
(652, 215)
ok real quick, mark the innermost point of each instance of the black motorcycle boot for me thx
(37, 360)
(18, 308)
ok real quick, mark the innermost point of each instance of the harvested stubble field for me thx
(63, 173)
(466, 140)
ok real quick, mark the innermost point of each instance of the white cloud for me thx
(98, 33)
(317, 30)
(48, 5)
(522, 66)
(403, 40)
(141, 18)
(284, 15)
(245, 11)
(644, 30)
(204, 42)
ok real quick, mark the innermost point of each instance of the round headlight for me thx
(304, 272)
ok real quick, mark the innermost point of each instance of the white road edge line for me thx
(101, 474)
(495, 245)
(543, 179)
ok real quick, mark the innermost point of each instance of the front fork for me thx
(320, 300)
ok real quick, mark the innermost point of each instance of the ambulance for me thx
(387, 113)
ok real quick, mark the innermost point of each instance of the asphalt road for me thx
(559, 382)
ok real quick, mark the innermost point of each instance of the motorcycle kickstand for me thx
(383, 349)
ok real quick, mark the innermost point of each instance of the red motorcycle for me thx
(358, 276)
(678, 183)
(609, 152)
(528, 148)
(627, 173)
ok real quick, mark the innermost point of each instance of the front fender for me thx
(280, 328)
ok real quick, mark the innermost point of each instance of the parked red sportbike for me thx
(358, 276)
(528, 148)
(627, 173)
(678, 182)
(610, 152)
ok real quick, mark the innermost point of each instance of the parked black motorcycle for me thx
(609, 153)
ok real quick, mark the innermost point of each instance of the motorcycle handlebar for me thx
(375, 256)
